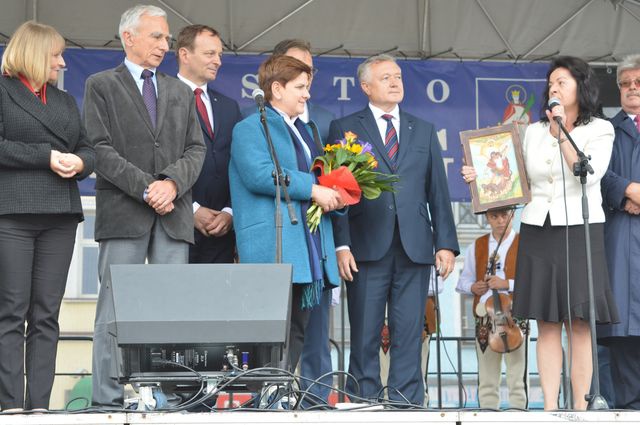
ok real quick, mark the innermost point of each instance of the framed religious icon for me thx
(496, 154)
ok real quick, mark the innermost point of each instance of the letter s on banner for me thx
(249, 84)
(444, 87)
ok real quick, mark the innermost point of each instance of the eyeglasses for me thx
(627, 83)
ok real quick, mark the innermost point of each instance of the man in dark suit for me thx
(621, 196)
(386, 246)
(199, 55)
(149, 152)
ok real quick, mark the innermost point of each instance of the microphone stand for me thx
(278, 179)
(580, 169)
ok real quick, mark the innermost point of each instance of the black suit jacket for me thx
(29, 131)
(420, 205)
(211, 190)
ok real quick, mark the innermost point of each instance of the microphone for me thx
(258, 97)
(553, 102)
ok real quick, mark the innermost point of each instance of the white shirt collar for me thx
(378, 113)
(193, 86)
(136, 70)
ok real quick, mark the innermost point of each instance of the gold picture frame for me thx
(496, 154)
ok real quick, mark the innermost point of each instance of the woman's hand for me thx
(60, 167)
(73, 160)
(557, 111)
(468, 173)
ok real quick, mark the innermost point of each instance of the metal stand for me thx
(581, 169)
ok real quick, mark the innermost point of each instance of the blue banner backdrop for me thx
(455, 96)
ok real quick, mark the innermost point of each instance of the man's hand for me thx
(480, 288)
(631, 207)
(202, 218)
(328, 199)
(221, 224)
(633, 192)
(445, 261)
(346, 264)
(495, 282)
(161, 193)
(165, 210)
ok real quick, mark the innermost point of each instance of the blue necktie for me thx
(149, 95)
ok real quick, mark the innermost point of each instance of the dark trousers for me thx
(35, 254)
(299, 320)
(403, 284)
(316, 354)
(624, 357)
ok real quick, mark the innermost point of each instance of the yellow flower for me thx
(328, 148)
(350, 136)
(355, 148)
(336, 146)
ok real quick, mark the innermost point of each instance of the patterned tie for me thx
(149, 95)
(202, 111)
(391, 141)
(637, 121)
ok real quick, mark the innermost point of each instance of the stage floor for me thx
(453, 417)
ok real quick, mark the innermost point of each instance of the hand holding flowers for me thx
(348, 167)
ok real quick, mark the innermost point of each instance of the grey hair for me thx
(131, 18)
(363, 68)
(628, 63)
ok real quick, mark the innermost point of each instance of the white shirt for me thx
(543, 162)
(290, 122)
(136, 73)
(382, 123)
(204, 96)
(207, 103)
(468, 274)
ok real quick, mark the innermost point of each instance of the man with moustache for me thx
(385, 247)
(149, 150)
(621, 195)
(199, 56)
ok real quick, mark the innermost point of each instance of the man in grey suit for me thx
(386, 246)
(149, 152)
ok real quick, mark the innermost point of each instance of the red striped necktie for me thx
(391, 141)
(202, 111)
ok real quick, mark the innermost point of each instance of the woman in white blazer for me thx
(555, 214)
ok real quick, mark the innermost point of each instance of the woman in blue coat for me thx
(285, 82)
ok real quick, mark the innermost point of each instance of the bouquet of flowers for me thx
(348, 167)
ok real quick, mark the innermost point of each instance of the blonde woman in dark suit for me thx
(43, 152)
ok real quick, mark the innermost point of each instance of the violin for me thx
(505, 335)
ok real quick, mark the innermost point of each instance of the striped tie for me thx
(391, 141)
(637, 121)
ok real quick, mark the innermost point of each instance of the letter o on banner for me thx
(443, 91)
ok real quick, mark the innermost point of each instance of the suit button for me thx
(390, 207)
(550, 180)
(555, 144)
(548, 161)
(156, 144)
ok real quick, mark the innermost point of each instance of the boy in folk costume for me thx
(475, 280)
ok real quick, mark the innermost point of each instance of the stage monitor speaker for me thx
(192, 314)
